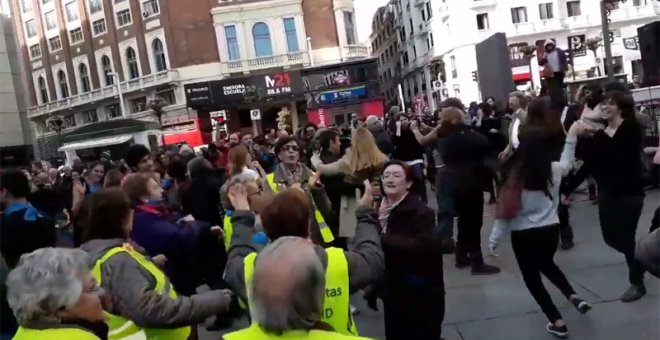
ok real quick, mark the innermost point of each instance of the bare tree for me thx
(593, 44)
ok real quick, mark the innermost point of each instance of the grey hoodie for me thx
(133, 296)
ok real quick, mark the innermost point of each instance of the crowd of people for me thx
(284, 227)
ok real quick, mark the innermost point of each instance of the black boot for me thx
(462, 259)
(447, 245)
(566, 235)
(481, 268)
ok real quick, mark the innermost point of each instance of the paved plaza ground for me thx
(499, 307)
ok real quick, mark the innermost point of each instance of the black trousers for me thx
(535, 250)
(469, 203)
(619, 215)
(565, 230)
(413, 313)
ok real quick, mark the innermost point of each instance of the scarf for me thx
(385, 210)
(294, 176)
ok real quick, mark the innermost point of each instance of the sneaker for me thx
(582, 306)
(485, 269)
(566, 245)
(560, 332)
(633, 293)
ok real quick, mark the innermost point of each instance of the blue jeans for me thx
(446, 205)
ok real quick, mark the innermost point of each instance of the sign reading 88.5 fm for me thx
(270, 85)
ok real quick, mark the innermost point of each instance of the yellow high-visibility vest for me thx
(326, 233)
(336, 306)
(254, 332)
(54, 334)
(123, 328)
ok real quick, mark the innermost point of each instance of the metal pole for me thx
(124, 114)
(609, 70)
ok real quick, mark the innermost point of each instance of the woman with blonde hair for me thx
(363, 161)
(240, 163)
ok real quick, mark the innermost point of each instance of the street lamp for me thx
(114, 75)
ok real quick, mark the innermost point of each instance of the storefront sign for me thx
(343, 95)
(318, 117)
(198, 94)
(577, 46)
(631, 43)
(235, 90)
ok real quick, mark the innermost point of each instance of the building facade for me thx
(444, 33)
(15, 132)
(264, 46)
(384, 42)
(84, 55)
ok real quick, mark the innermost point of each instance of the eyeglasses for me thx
(290, 148)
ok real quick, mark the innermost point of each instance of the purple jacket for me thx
(563, 60)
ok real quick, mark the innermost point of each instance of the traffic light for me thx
(475, 76)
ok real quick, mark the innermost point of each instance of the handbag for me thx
(509, 202)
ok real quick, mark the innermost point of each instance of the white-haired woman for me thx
(54, 296)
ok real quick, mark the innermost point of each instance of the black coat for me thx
(413, 292)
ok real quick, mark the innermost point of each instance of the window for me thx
(431, 35)
(131, 61)
(45, 1)
(518, 15)
(452, 62)
(232, 43)
(168, 97)
(138, 104)
(69, 121)
(119, 1)
(291, 36)
(35, 51)
(64, 87)
(55, 43)
(95, 6)
(350, 28)
(75, 35)
(423, 15)
(428, 10)
(26, 6)
(43, 90)
(412, 29)
(30, 28)
(51, 20)
(415, 51)
(124, 18)
(262, 44)
(573, 8)
(84, 78)
(150, 8)
(545, 11)
(89, 116)
(112, 111)
(107, 70)
(159, 55)
(71, 10)
(99, 27)
(482, 21)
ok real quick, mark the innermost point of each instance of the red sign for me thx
(318, 117)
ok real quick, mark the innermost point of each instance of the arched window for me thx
(84, 78)
(107, 70)
(43, 90)
(159, 55)
(262, 44)
(131, 61)
(64, 88)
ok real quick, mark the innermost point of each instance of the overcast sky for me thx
(364, 12)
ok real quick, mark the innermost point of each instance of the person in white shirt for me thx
(534, 228)
(517, 103)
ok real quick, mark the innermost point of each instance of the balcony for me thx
(581, 21)
(281, 60)
(107, 92)
(535, 27)
(354, 52)
(475, 4)
(636, 12)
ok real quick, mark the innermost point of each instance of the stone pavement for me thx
(499, 307)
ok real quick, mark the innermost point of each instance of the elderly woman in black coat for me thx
(413, 292)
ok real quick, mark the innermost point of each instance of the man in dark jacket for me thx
(23, 231)
(383, 139)
(556, 60)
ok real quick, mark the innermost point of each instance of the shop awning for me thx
(95, 143)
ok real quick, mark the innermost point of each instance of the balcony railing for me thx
(636, 12)
(535, 27)
(481, 3)
(280, 60)
(105, 92)
(355, 51)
